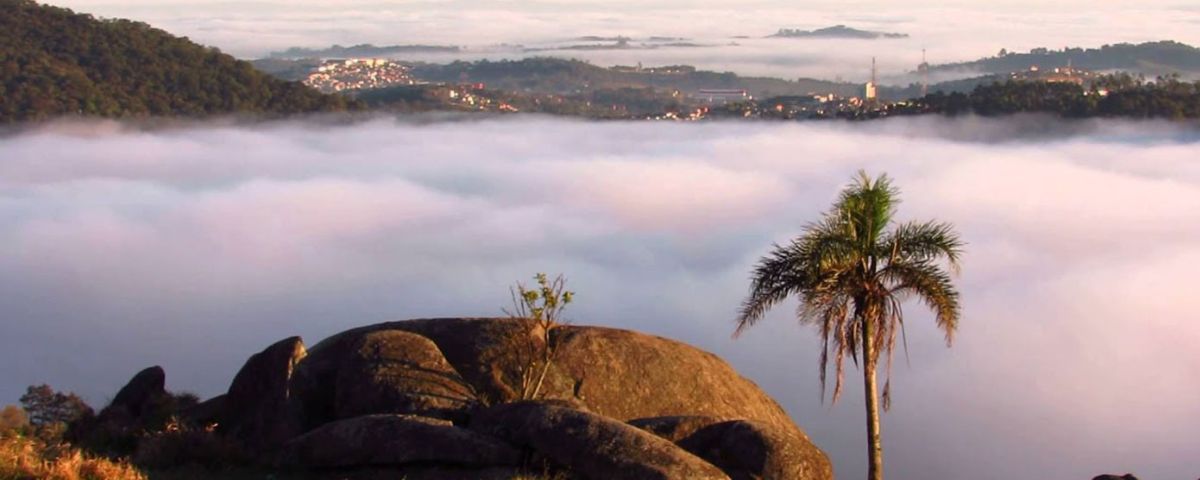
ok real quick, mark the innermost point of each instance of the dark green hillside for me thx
(561, 76)
(56, 62)
(1110, 96)
(1151, 58)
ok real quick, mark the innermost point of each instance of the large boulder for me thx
(675, 427)
(480, 350)
(259, 411)
(591, 445)
(393, 371)
(746, 450)
(749, 450)
(617, 373)
(385, 440)
(144, 391)
(627, 375)
(142, 404)
(388, 393)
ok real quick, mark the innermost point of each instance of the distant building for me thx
(719, 96)
(871, 89)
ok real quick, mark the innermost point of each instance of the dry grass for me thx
(24, 458)
(29, 458)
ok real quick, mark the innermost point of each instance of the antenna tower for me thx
(924, 68)
(873, 82)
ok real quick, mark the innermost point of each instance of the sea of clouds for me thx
(195, 246)
(949, 30)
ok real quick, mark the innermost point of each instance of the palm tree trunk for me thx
(874, 441)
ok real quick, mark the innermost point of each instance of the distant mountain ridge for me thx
(56, 62)
(360, 51)
(836, 31)
(1152, 58)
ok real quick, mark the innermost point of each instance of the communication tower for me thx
(923, 69)
(871, 90)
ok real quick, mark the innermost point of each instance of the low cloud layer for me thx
(194, 247)
(951, 31)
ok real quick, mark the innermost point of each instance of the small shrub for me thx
(115, 432)
(543, 305)
(13, 420)
(180, 444)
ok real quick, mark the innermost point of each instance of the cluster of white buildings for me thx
(1067, 74)
(358, 73)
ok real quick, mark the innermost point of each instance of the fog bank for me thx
(196, 247)
(950, 31)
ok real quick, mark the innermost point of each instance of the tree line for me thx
(1119, 95)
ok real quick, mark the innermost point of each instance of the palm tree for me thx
(852, 274)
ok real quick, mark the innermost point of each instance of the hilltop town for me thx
(684, 93)
(357, 74)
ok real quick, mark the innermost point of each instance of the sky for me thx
(194, 246)
(948, 30)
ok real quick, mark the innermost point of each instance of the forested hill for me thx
(562, 76)
(56, 62)
(1151, 58)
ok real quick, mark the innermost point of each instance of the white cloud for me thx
(196, 246)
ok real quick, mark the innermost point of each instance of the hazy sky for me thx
(960, 30)
(196, 247)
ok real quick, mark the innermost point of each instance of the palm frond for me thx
(932, 285)
(805, 264)
(777, 276)
(923, 241)
(866, 208)
(830, 314)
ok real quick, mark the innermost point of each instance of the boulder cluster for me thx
(443, 395)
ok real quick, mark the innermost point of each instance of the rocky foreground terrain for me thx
(441, 399)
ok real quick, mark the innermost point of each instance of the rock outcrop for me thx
(595, 446)
(374, 440)
(675, 428)
(142, 404)
(481, 351)
(439, 399)
(743, 449)
(399, 372)
(647, 376)
(746, 450)
(143, 391)
(259, 410)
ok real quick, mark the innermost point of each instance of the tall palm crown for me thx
(852, 274)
